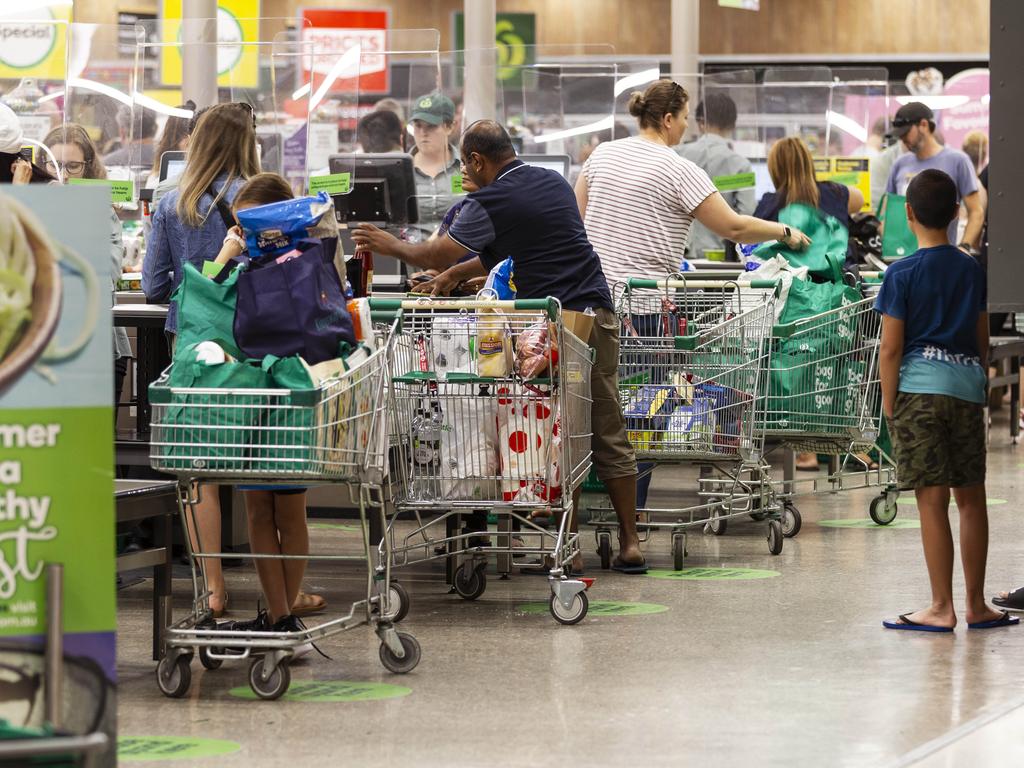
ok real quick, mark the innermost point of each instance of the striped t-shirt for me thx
(640, 202)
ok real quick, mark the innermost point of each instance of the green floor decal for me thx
(151, 749)
(603, 608)
(714, 574)
(323, 691)
(334, 527)
(869, 523)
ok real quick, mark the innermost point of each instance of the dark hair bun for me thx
(637, 105)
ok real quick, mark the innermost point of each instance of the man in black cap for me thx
(914, 125)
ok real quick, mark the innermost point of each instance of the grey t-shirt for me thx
(951, 161)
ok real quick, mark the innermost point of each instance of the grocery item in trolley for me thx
(469, 447)
(527, 436)
(451, 345)
(275, 229)
(691, 427)
(493, 343)
(536, 348)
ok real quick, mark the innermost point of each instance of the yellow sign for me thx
(33, 43)
(851, 171)
(238, 28)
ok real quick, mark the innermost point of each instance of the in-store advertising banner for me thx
(970, 116)
(851, 171)
(33, 39)
(333, 32)
(238, 23)
(56, 435)
(515, 35)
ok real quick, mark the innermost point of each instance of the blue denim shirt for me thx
(173, 243)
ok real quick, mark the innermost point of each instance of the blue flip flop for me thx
(1003, 621)
(903, 622)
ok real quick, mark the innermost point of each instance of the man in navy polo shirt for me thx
(531, 214)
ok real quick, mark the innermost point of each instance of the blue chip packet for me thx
(275, 228)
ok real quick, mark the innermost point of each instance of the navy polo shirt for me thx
(530, 214)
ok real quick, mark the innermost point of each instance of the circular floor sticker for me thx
(604, 608)
(322, 691)
(150, 749)
(912, 502)
(869, 523)
(334, 527)
(714, 574)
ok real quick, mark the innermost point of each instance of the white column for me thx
(199, 62)
(686, 44)
(480, 91)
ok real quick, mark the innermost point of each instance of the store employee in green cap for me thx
(435, 160)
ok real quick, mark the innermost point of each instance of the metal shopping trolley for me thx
(333, 434)
(492, 418)
(692, 362)
(824, 396)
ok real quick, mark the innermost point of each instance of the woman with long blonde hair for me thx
(189, 228)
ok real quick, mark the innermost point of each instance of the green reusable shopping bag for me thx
(828, 238)
(206, 309)
(800, 372)
(807, 298)
(209, 431)
(897, 239)
(285, 438)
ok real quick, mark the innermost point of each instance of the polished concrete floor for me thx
(791, 670)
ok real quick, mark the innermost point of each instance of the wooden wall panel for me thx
(847, 27)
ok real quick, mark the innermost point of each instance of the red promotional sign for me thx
(333, 32)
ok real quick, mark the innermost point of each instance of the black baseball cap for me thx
(910, 115)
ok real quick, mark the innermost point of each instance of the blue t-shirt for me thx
(446, 224)
(938, 293)
(950, 161)
(530, 214)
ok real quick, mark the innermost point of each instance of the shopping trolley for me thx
(333, 434)
(824, 397)
(692, 361)
(492, 407)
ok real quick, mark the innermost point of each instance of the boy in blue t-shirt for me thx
(934, 343)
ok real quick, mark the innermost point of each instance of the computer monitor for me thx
(172, 165)
(559, 163)
(762, 179)
(383, 189)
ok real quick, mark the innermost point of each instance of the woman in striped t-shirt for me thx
(638, 197)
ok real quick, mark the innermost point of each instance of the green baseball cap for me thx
(434, 108)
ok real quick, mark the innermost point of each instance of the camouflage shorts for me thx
(939, 440)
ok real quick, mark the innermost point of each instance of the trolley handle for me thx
(638, 282)
(549, 305)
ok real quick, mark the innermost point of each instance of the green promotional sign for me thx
(120, 191)
(457, 184)
(869, 523)
(332, 184)
(603, 608)
(515, 35)
(733, 182)
(713, 574)
(332, 691)
(152, 749)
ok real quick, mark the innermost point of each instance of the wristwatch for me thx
(787, 233)
(967, 248)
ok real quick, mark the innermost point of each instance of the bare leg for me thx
(259, 506)
(207, 519)
(290, 521)
(622, 491)
(933, 506)
(974, 549)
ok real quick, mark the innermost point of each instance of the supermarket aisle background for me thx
(793, 670)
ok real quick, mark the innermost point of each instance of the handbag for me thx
(293, 306)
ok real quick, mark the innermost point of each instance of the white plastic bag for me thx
(771, 269)
(469, 449)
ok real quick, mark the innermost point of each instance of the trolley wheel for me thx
(882, 512)
(206, 661)
(575, 613)
(775, 537)
(407, 663)
(470, 582)
(398, 602)
(716, 523)
(274, 686)
(604, 549)
(791, 520)
(678, 552)
(174, 676)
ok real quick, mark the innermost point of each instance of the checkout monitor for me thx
(559, 163)
(383, 191)
(172, 165)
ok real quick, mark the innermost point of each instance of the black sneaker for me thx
(260, 624)
(291, 623)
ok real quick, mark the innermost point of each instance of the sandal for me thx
(306, 604)
(218, 612)
(1014, 601)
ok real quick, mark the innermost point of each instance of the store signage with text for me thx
(33, 41)
(238, 31)
(333, 32)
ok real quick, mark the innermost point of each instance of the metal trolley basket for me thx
(824, 396)
(692, 360)
(492, 417)
(333, 434)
